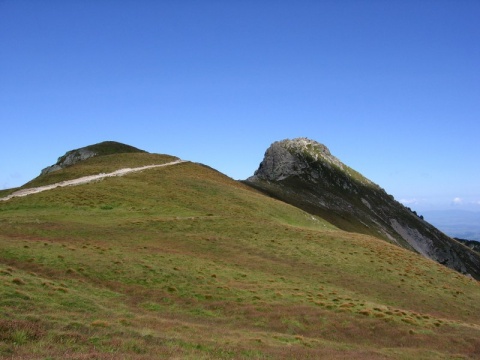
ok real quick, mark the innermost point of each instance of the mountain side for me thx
(184, 262)
(472, 244)
(304, 173)
(77, 155)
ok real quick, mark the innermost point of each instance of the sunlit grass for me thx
(184, 262)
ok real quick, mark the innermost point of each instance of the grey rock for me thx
(70, 158)
(291, 157)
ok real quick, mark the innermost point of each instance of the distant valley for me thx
(462, 224)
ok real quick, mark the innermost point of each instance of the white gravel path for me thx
(84, 180)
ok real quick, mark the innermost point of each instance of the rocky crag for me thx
(305, 174)
(74, 156)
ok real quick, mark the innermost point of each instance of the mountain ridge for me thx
(294, 170)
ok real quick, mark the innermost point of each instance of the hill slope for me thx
(184, 262)
(302, 172)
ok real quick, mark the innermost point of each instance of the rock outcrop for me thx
(304, 173)
(292, 157)
(70, 158)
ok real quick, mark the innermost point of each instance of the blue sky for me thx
(391, 87)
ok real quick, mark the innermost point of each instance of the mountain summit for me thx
(74, 156)
(304, 173)
(297, 157)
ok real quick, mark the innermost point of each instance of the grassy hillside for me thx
(184, 262)
(100, 164)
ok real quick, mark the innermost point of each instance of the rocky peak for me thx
(309, 148)
(299, 157)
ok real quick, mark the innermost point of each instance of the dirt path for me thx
(84, 180)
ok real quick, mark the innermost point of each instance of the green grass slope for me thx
(183, 262)
(101, 164)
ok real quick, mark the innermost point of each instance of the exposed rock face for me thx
(288, 158)
(303, 173)
(295, 158)
(70, 158)
(75, 156)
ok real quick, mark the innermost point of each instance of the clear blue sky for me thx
(391, 87)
